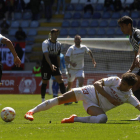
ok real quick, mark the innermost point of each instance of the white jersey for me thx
(77, 56)
(111, 87)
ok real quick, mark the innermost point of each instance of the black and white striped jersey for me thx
(53, 50)
(135, 39)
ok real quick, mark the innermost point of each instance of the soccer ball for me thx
(8, 114)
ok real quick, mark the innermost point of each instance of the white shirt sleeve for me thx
(133, 101)
(111, 81)
(45, 47)
(69, 52)
(87, 49)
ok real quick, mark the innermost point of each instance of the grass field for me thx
(117, 127)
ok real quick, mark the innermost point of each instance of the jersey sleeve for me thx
(137, 36)
(87, 49)
(133, 101)
(45, 47)
(69, 52)
(111, 81)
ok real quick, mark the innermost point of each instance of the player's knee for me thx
(102, 118)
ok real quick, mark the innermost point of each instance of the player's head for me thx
(37, 63)
(128, 81)
(77, 40)
(126, 24)
(54, 34)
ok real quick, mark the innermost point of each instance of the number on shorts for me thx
(85, 91)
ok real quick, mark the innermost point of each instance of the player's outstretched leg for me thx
(69, 120)
(65, 98)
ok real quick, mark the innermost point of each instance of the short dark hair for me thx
(77, 36)
(125, 20)
(54, 30)
(129, 78)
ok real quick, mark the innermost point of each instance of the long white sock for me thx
(45, 105)
(102, 118)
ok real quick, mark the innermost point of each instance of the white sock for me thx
(102, 118)
(45, 105)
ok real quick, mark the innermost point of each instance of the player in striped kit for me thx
(17, 61)
(75, 58)
(99, 98)
(126, 25)
(51, 62)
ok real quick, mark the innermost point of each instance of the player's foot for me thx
(76, 102)
(68, 103)
(69, 120)
(29, 116)
(43, 99)
(136, 119)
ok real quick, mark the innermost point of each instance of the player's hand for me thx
(94, 63)
(129, 70)
(17, 61)
(74, 64)
(114, 101)
(137, 62)
(53, 67)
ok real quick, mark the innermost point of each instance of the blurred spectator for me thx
(48, 9)
(37, 70)
(108, 5)
(2, 9)
(88, 7)
(10, 7)
(59, 2)
(4, 27)
(135, 5)
(35, 8)
(20, 5)
(27, 4)
(20, 35)
(118, 5)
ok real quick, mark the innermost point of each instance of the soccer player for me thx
(17, 61)
(99, 98)
(126, 25)
(55, 86)
(51, 62)
(75, 58)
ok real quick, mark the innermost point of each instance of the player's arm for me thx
(91, 55)
(9, 44)
(99, 87)
(53, 67)
(133, 63)
(138, 107)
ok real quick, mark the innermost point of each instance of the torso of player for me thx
(122, 97)
(77, 56)
(135, 39)
(53, 50)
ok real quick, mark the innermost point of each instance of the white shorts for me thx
(87, 99)
(72, 74)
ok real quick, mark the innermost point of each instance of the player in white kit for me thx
(106, 94)
(75, 59)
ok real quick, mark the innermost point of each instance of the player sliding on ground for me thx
(97, 99)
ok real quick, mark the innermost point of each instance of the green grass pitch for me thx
(117, 127)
